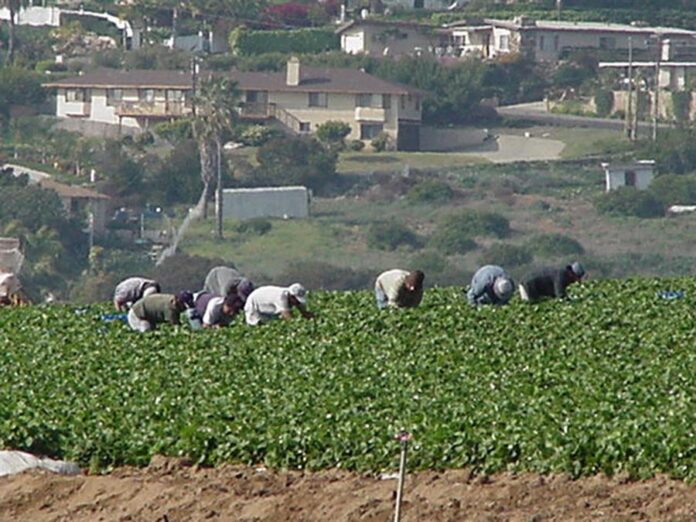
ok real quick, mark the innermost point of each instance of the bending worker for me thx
(399, 288)
(223, 280)
(270, 302)
(551, 282)
(133, 289)
(215, 311)
(155, 309)
(490, 285)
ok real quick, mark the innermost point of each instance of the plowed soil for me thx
(170, 490)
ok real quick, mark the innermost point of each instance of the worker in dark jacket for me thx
(490, 285)
(551, 282)
(155, 309)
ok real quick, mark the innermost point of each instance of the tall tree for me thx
(216, 115)
(13, 6)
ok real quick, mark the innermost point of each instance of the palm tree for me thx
(216, 115)
(13, 6)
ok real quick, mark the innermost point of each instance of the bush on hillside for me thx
(674, 190)
(431, 191)
(478, 223)
(507, 255)
(317, 275)
(332, 133)
(628, 201)
(391, 235)
(185, 272)
(554, 245)
(381, 142)
(254, 227)
(604, 102)
(257, 135)
(451, 240)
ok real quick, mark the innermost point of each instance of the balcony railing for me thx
(153, 109)
(370, 114)
(255, 110)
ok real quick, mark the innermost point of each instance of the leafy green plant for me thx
(245, 42)
(681, 106)
(331, 392)
(554, 245)
(628, 201)
(255, 226)
(604, 102)
(507, 255)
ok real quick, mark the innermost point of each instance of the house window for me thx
(504, 42)
(556, 42)
(386, 101)
(403, 102)
(318, 99)
(305, 126)
(541, 42)
(175, 96)
(363, 100)
(146, 95)
(75, 95)
(418, 4)
(630, 178)
(607, 42)
(370, 130)
(417, 103)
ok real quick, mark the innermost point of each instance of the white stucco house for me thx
(639, 175)
(387, 38)
(299, 98)
(549, 40)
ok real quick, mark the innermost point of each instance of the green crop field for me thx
(604, 382)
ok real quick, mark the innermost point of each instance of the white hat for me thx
(298, 292)
(503, 288)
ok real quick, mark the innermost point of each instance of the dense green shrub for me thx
(247, 42)
(628, 201)
(681, 106)
(184, 272)
(604, 102)
(325, 276)
(451, 240)
(257, 135)
(430, 191)
(333, 133)
(381, 142)
(390, 235)
(554, 245)
(356, 145)
(256, 226)
(478, 223)
(507, 255)
(174, 131)
(674, 190)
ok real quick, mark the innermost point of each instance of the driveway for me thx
(509, 148)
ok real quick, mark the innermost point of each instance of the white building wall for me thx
(281, 202)
(353, 41)
(616, 178)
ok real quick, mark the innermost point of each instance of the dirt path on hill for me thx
(169, 490)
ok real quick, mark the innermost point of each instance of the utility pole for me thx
(218, 191)
(559, 6)
(656, 109)
(629, 101)
(194, 83)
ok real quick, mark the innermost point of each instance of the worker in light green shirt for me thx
(155, 309)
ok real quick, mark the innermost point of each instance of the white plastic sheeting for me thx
(12, 462)
(280, 202)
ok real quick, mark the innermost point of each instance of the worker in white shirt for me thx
(270, 302)
(399, 288)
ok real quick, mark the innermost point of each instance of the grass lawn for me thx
(393, 160)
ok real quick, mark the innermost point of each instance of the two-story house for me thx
(299, 98)
(387, 38)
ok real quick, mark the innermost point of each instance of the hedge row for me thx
(246, 42)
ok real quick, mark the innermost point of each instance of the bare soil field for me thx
(170, 490)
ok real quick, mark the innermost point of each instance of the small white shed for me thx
(639, 175)
(281, 202)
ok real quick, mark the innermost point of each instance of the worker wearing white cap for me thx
(270, 302)
(490, 285)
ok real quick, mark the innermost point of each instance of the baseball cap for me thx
(186, 298)
(577, 269)
(503, 287)
(299, 292)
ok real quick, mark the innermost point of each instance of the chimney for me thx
(293, 72)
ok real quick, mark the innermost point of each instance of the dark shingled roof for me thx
(312, 79)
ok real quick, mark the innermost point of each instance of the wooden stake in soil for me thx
(403, 437)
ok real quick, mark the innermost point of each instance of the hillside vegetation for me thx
(603, 382)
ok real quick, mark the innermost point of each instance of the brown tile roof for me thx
(383, 23)
(312, 79)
